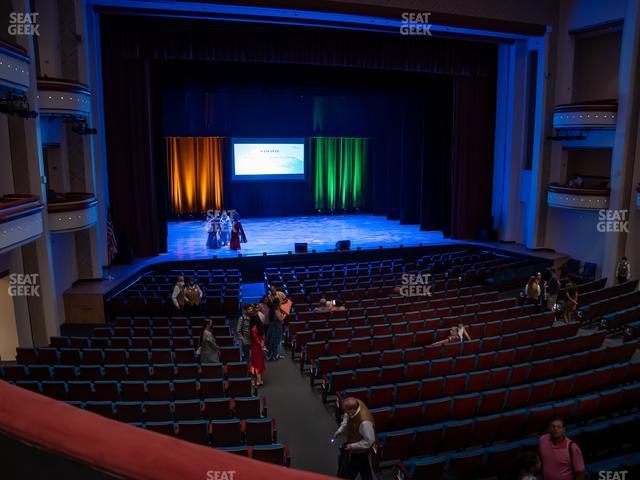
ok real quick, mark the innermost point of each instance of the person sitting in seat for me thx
(462, 332)
(452, 338)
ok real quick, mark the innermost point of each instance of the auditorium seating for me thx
(151, 293)
(466, 408)
(143, 370)
(501, 459)
(452, 407)
(619, 320)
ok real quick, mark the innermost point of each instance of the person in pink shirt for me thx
(561, 458)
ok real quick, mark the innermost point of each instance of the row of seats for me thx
(507, 425)
(422, 338)
(619, 320)
(501, 460)
(111, 356)
(136, 341)
(457, 379)
(217, 433)
(162, 411)
(140, 391)
(609, 292)
(596, 310)
(172, 321)
(440, 317)
(157, 331)
(181, 371)
(438, 299)
(372, 294)
(463, 351)
(487, 393)
(424, 329)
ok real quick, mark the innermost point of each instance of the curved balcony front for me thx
(14, 68)
(20, 220)
(601, 114)
(638, 196)
(578, 198)
(60, 97)
(72, 211)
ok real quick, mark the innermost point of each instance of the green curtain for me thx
(339, 171)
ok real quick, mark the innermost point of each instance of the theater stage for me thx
(277, 235)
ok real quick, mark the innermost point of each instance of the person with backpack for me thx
(623, 270)
(561, 458)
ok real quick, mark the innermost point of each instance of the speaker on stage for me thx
(342, 245)
(302, 247)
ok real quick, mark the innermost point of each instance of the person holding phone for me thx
(358, 431)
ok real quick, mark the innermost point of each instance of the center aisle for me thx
(303, 422)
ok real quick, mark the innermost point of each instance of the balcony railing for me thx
(20, 220)
(579, 198)
(600, 114)
(71, 211)
(60, 97)
(14, 67)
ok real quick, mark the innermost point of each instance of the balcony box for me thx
(20, 220)
(72, 211)
(578, 198)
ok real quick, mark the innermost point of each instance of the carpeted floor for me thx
(303, 422)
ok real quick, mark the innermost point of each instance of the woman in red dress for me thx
(234, 244)
(256, 361)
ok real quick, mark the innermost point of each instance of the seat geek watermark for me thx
(23, 24)
(613, 221)
(612, 475)
(24, 285)
(221, 474)
(415, 285)
(415, 24)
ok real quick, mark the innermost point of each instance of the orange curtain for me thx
(195, 173)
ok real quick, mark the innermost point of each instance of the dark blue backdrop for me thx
(240, 100)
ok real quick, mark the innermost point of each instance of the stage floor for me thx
(277, 235)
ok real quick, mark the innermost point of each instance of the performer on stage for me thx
(213, 229)
(235, 236)
(225, 229)
(236, 218)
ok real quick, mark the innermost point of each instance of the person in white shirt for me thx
(178, 297)
(358, 432)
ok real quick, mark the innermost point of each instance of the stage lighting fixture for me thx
(82, 128)
(12, 104)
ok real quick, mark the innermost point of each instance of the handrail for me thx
(14, 206)
(591, 106)
(14, 50)
(122, 449)
(62, 85)
(586, 191)
(66, 202)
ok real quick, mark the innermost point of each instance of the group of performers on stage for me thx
(224, 229)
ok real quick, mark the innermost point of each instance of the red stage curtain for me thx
(195, 173)
(472, 159)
